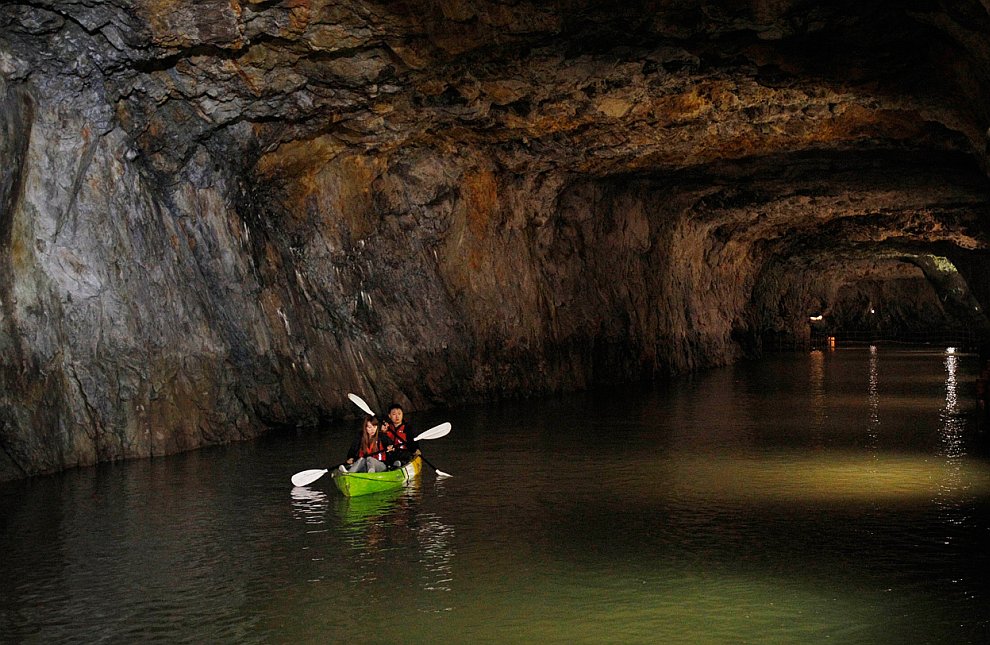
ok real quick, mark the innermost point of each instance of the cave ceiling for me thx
(221, 216)
(808, 128)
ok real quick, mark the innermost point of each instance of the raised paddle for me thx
(358, 401)
(306, 477)
(435, 432)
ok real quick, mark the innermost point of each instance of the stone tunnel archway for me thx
(232, 213)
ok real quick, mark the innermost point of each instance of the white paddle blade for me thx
(307, 477)
(358, 401)
(442, 474)
(435, 432)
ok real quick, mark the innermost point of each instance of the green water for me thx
(808, 498)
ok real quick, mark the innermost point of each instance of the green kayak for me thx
(354, 484)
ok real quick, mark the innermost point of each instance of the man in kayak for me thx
(371, 450)
(400, 433)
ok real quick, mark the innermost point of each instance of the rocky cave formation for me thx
(219, 217)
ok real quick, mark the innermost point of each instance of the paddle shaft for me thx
(439, 472)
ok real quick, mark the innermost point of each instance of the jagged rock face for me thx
(217, 217)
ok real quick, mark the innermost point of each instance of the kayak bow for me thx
(354, 484)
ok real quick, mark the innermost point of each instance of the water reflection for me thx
(952, 422)
(436, 538)
(799, 478)
(754, 515)
(357, 513)
(309, 505)
(819, 410)
(873, 390)
(951, 497)
(385, 532)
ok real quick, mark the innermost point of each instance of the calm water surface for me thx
(839, 496)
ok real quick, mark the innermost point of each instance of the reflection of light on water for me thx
(952, 485)
(309, 505)
(629, 603)
(951, 397)
(952, 425)
(873, 427)
(435, 538)
(797, 477)
(817, 385)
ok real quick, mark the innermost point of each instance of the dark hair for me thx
(394, 406)
(367, 442)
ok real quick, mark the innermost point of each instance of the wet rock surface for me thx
(220, 217)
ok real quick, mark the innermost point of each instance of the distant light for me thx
(816, 318)
(873, 349)
(872, 310)
(950, 350)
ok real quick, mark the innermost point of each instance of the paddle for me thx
(439, 472)
(306, 477)
(435, 432)
(358, 401)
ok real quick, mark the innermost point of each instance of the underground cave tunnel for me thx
(578, 230)
(218, 218)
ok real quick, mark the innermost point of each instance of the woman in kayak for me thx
(370, 451)
(400, 433)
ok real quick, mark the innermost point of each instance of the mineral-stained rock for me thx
(220, 217)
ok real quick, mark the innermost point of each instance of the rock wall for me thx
(126, 312)
(220, 217)
(145, 318)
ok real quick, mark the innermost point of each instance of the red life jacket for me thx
(377, 451)
(398, 434)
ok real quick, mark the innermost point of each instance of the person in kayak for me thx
(400, 433)
(371, 449)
